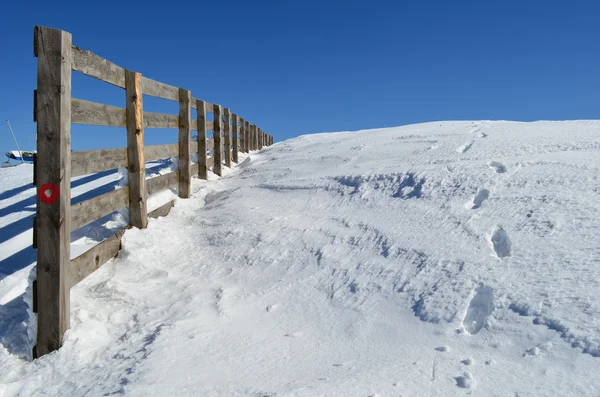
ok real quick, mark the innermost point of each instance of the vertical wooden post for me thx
(53, 115)
(185, 130)
(254, 137)
(235, 135)
(227, 133)
(218, 150)
(244, 136)
(261, 144)
(202, 160)
(138, 212)
(258, 133)
(247, 135)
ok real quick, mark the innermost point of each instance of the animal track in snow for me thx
(480, 197)
(482, 134)
(465, 147)
(501, 243)
(480, 307)
(498, 167)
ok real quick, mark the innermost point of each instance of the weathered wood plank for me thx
(162, 182)
(91, 260)
(235, 137)
(227, 136)
(185, 131)
(91, 161)
(160, 120)
(93, 113)
(194, 125)
(158, 89)
(210, 162)
(157, 152)
(202, 149)
(243, 135)
(218, 150)
(94, 66)
(138, 214)
(209, 107)
(95, 208)
(53, 175)
(163, 210)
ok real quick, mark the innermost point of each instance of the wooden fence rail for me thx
(55, 110)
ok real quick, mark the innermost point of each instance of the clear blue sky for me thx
(298, 67)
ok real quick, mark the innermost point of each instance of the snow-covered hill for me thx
(436, 259)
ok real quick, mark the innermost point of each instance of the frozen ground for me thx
(438, 259)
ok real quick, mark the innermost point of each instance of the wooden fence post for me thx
(254, 137)
(236, 139)
(227, 133)
(202, 160)
(218, 150)
(53, 115)
(246, 135)
(138, 212)
(185, 114)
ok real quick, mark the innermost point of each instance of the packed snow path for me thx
(436, 259)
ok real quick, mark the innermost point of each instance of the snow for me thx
(435, 259)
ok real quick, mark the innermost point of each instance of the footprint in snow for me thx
(480, 197)
(466, 381)
(465, 147)
(498, 167)
(501, 243)
(480, 308)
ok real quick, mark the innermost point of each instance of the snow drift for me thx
(433, 259)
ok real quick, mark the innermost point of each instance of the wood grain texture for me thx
(202, 149)
(138, 214)
(158, 152)
(194, 125)
(235, 137)
(53, 162)
(91, 260)
(160, 90)
(93, 113)
(95, 208)
(91, 161)
(227, 136)
(185, 132)
(162, 182)
(94, 66)
(163, 210)
(246, 136)
(218, 150)
(160, 120)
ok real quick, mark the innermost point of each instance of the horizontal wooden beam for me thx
(158, 89)
(93, 209)
(92, 65)
(93, 113)
(163, 210)
(156, 152)
(91, 260)
(160, 120)
(91, 161)
(194, 125)
(161, 182)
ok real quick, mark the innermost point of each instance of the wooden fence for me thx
(54, 112)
